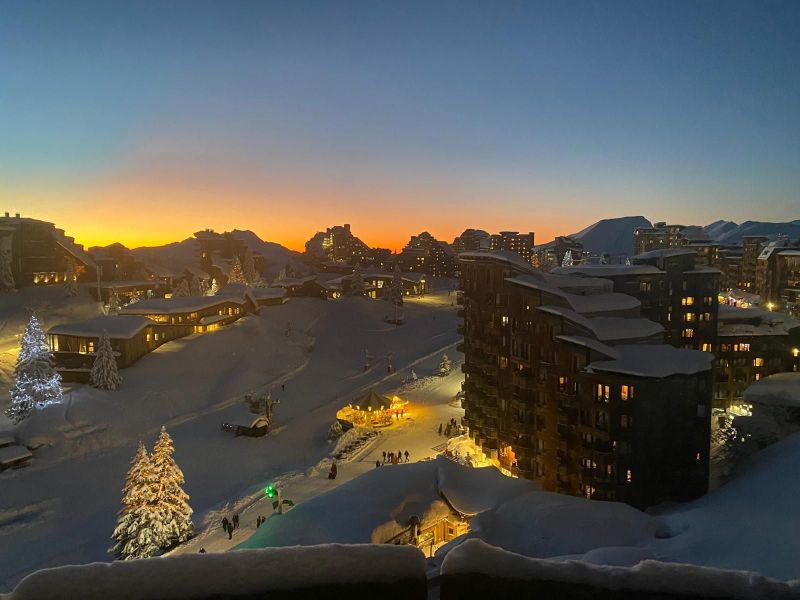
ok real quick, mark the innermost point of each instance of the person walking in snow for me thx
(236, 521)
(440, 429)
(225, 523)
(377, 464)
(230, 531)
(384, 456)
(283, 387)
(407, 455)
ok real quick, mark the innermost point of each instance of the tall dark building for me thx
(567, 384)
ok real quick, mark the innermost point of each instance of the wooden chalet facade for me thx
(202, 313)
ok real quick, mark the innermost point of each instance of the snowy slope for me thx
(717, 229)
(61, 509)
(735, 235)
(611, 236)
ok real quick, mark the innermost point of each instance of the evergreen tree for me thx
(251, 276)
(214, 287)
(70, 283)
(444, 365)
(138, 533)
(357, 281)
(396, 290)
(36, 382)
(236, 274)
(104, 374)
(182, 291)
(113, 301)
(567, 261)
(196, 288)
(6, 275)
(172, 501)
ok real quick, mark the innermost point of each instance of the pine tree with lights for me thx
(7, 283)
(172, 501)
(237, 273)
(567, 261)
(36, 382)
(104, 374)
(139, 529)
(214, 287)
(396, 290)
(70, 282)
(357, 287)
(445, 366)
(196, 287)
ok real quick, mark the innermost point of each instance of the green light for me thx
(270, 490)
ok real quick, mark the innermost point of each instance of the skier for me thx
(236, 521)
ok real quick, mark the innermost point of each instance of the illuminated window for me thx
(148, 336)
(562, 384)
(687, 301)
(758, 362)
(688, 317)
(697, 457)
(628, 476)
(688, 333)
(626, 392)
(706, 347)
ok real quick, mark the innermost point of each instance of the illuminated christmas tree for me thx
(357, 281)
(445, 366)
(567, 262)
(36, 382)
(396, 290)
(104, 374)
(237, 274)
(139, 529)
(172, 501)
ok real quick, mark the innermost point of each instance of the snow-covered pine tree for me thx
(70, 282)
(413, 376)
(567, 261)
(196, 288)
(214, 287)
(396, 290)
(7, 283)
(104, 374)
(171, 500)
(627, 261)
(182, 291)
(445, 366)
(139, 527)
(281, 274)
(113, 301)
(357, 281)
(237, 273)
(251, 276)
(36, 382)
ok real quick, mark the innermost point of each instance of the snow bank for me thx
(476, 557)
(228, 575)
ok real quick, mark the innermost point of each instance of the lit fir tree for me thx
(172, 501)
(567, 261)
(104, 374)
(36, 382)
(70, 282)
(237, 273)
(445, 366)
(139, 529)
(212, 291)
(396, 290)
(357, 287)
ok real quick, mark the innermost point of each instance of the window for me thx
(148, 336)
(626, 392)
(504, 320)
(628, 476)
(540, 444)
(688, 333)
(603, 392)
(688, 300)
(90, 346)
(562, 384)
(698, 456)
(758, 362)
(688, 317)
(644, 286)
(706, 347)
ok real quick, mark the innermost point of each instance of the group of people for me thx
(452, 428)
(399, 413)
(229, 526)
(260, 520)
(393, 458)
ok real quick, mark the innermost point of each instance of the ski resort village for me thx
(399, 300)
(594, 408)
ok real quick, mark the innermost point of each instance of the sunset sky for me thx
(142, 122)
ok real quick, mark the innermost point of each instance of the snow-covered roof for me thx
(270, 292)
(505, 256)
(732, 321)
(781, 389)
(600, 303)
(371, 401)
(607, 270)
(590, 343)
(608, 329)
(121, 327)
(161, 270)
(149, 283)
(664, 253)
(655, 361)
(293, 281)
(169, 306)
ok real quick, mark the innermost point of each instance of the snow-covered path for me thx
(63, 507)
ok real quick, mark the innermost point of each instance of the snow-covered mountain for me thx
(179, 254)
(610, 236)
(728, 232)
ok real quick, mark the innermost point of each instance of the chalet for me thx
(202, 313)
(269, 296)
(74, 345)
(129, 290)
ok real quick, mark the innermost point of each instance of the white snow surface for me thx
(781, 389)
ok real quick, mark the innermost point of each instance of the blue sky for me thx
(521, 115)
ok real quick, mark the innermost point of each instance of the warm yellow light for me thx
(770, 306)
(795, 352)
